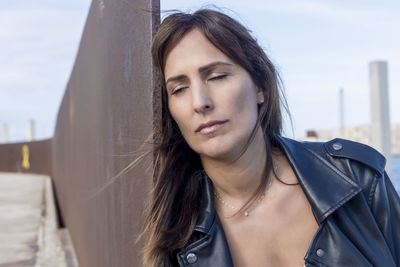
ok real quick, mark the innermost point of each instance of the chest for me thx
(276, 235)
(348, 237)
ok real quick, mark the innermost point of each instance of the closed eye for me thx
(178, 90)
(217, 77)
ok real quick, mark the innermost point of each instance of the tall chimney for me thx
(30, 134)
(380, 125)
(341, 111)
(4, 133)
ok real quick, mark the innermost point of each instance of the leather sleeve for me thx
(386, 209)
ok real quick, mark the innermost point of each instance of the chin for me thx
(220, 150)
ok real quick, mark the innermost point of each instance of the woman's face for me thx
(212, 99)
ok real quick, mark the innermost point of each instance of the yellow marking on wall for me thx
(25, 157)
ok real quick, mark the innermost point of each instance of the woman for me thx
(229, 190)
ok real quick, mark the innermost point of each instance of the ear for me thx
(260, 97)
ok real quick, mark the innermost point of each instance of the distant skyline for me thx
(318, 47)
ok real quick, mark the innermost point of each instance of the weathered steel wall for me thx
(29, 157)
(106, 114)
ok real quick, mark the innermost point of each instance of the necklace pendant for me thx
(246, 213)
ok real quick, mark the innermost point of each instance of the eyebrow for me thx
(213, 65)
(202, 69)
(175, 78)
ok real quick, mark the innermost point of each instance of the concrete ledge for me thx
(28, 224)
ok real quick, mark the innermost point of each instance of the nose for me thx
(202, 100)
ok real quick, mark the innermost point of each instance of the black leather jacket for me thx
(352, 198)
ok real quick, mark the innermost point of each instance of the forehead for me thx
(191, 52)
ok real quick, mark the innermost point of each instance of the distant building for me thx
(361, 134)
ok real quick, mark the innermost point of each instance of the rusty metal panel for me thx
(107, 111)
(28, 157)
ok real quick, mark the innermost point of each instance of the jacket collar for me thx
(316, 176)
(207, 210)
(318, 179)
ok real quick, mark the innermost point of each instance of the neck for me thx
(237, 181)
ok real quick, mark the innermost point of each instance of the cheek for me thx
(245, 104)
(180, 115)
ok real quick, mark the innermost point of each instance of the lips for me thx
(209, 127)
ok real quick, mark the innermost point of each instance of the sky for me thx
(317, 46)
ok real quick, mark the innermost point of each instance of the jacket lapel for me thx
(208, 245)
(319, 179)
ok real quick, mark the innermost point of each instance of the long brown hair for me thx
(175, 195)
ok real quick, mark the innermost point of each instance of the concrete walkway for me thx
(28, 224)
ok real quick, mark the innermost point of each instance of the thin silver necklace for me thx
(246, 213)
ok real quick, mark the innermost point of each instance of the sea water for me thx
(396, 173)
